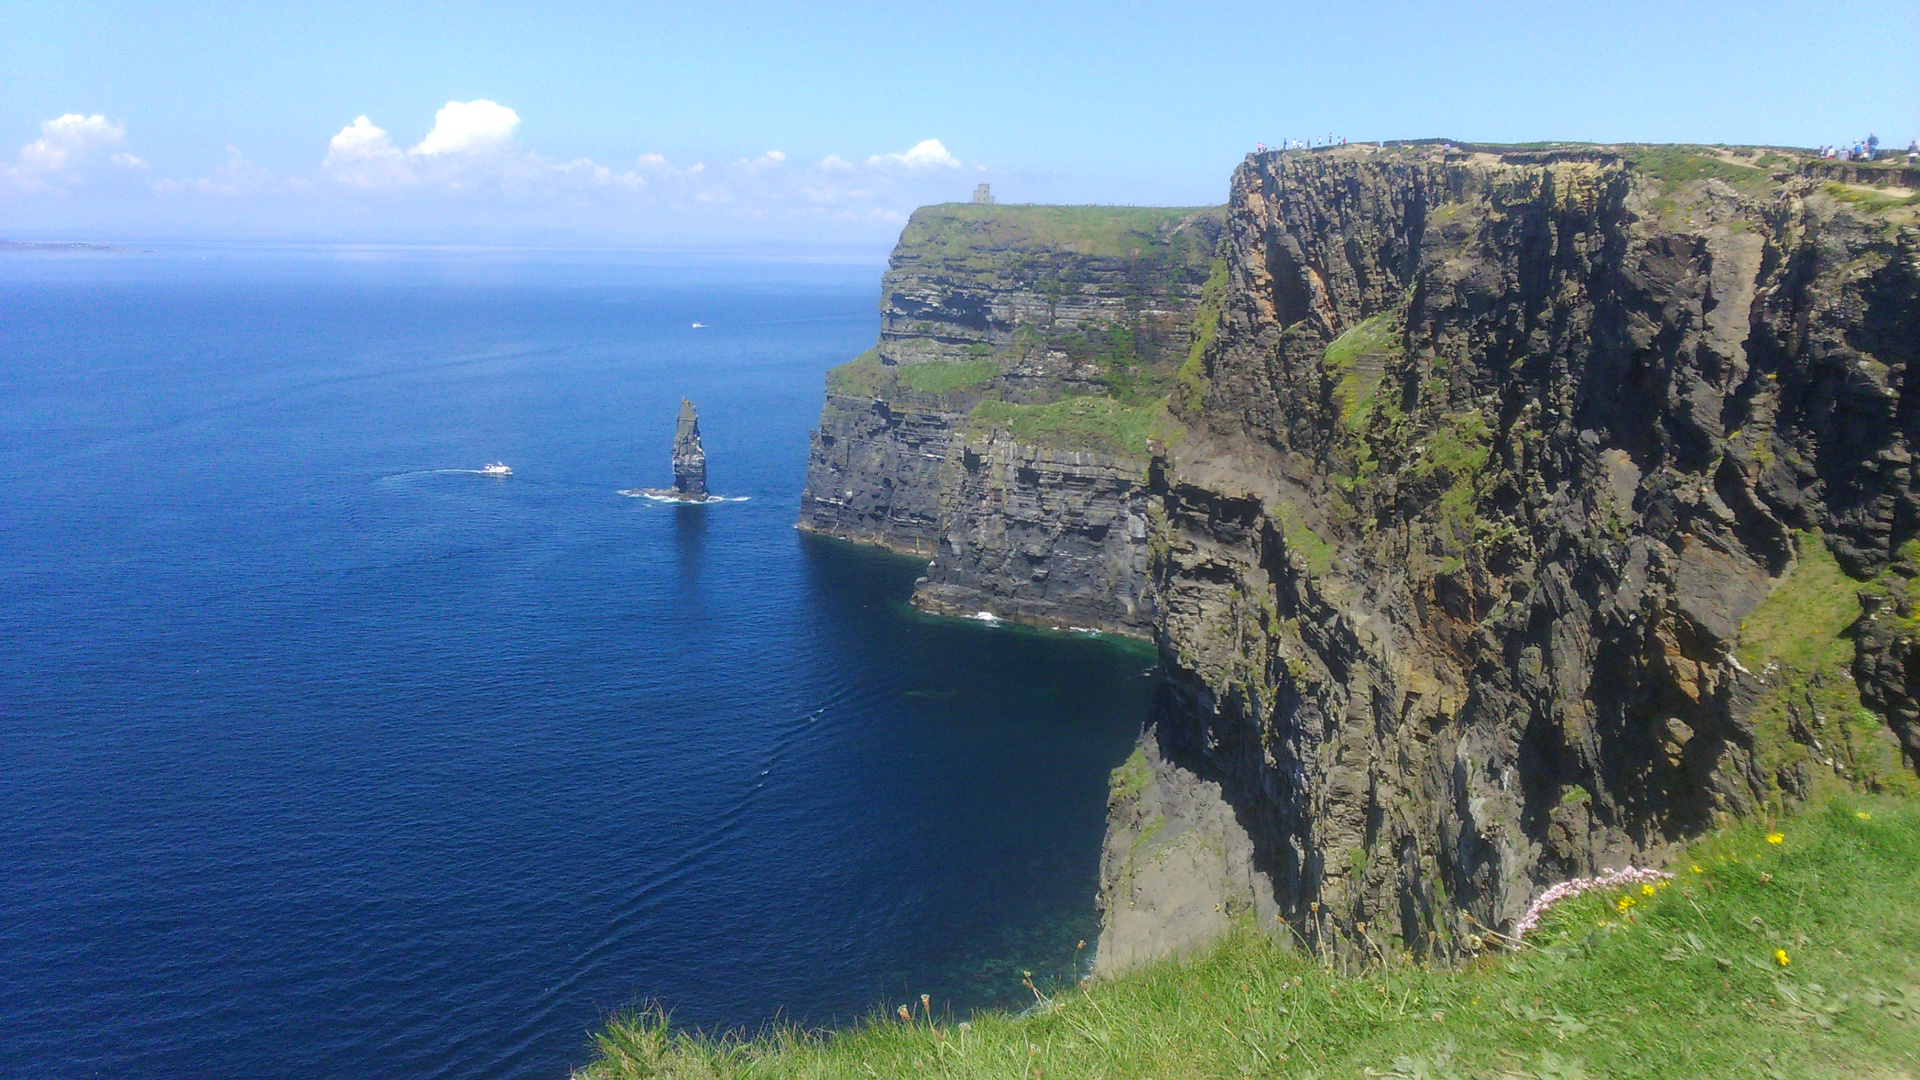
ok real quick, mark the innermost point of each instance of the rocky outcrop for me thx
(689, 460)
(1177, 867)
(1489, 460)
(1000, 425)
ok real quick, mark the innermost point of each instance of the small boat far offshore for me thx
(497, 469)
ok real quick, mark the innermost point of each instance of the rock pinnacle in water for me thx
(689, 460)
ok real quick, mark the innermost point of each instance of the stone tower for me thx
(983, 193)
(689, 460)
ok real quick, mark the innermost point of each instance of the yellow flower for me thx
(1623, 904)
(1697, 870)
(1646, 890)
(1776, 838)
(1781, 956)
(1863, 815)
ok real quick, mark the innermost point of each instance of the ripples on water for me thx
(327, 755)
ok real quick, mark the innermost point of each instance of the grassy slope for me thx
(1686, 983)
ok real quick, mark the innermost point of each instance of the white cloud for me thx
(834, 163)
(67, 145)
(468, 127)
(362, 155)
(359, 141)
(926, 154)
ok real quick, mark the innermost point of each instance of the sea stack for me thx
(689, 461)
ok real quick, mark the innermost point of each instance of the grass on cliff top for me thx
(1089, 422)
(1677, 165)
(961, 229)
(1796, 958)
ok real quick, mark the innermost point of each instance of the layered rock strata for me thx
(689, 460)
(1000, 425)
(1492, 459)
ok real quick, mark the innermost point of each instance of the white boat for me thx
(699, 326)
(497, 469)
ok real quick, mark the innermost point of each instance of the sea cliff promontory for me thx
(1001, 425)
(1500, 514)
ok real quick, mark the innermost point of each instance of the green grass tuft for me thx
(862, 376)
(1130, 779)
(1192, 376)
(947, 376)
(1686, 982)
(1797, 640)
(1080, 423)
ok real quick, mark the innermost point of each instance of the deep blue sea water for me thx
(325, 755)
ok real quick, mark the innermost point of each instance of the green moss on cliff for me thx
(1192, 376)
(1080, 423)
(948, 376)
(1356, 361)
(1130, 779)
(863, 376)
(1813, 730)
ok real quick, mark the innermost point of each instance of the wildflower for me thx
(1647, 890)
(1621, 905)
(1696, 869)
(1776, 838)
(1629, 875)
(1863, 815)
(1780, 955)
(902, 1010)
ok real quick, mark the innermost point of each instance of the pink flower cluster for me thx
(1626, 875)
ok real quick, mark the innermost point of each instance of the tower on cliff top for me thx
(982, 193)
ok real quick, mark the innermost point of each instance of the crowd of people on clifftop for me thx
(1303, 144)
(1862, 150)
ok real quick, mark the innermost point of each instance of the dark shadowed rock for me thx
(689, 460)
(689, 463)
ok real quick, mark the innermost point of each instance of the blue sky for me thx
(822, 125)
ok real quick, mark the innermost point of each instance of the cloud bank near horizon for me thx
(472, 167)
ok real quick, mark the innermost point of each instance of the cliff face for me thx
(1523, 502)
(1001, 425)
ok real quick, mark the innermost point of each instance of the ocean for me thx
(327, 755)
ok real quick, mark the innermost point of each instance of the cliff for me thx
(1520, 528)
(1500, 514)
(1001, 425)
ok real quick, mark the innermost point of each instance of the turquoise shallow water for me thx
(329, 756)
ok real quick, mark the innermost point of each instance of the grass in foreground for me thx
(1767, 958)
